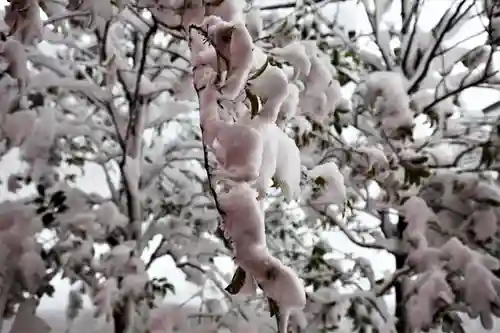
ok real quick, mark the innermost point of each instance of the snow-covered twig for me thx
(349, 234)
(133, 140)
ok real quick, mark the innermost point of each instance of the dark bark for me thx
(291, 4)
(400, 313)
(120, 318)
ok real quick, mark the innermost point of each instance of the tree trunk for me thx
(122, 317)
(5, 285)
(399, 285)
(119, 320)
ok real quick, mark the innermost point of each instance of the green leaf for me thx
(62, 208)
(274, 309)
(343, 78)
(452, 323)
(48, 219)
(70, 177)
(76, 160)
(237, 281)
(487, 157)
(418, 159)
(276, 183)
(46, 289)
(320, 181)
(58, 198)
(318, 250)
(254, 103)
(397, 52)
(335, 60)
(414, 175)
(39, 201)
(170, 287)
(41, 209)
(282, 234)
(336, 123)
(41, 190)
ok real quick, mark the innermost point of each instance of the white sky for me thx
(353, 18)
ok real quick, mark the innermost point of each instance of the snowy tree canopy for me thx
(232, 129)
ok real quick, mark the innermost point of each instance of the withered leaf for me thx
(237, 281)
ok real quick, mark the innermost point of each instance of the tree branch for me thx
(133, 142)
(348, 232)
(288, 5)
(424, 66)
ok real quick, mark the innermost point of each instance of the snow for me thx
(394, 114)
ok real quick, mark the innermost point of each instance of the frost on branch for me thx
(23, 19)
(18, 126)
(239, 151)
(14, 54)
(22, 268)
(384, 93)
(331, 179)
(250, 150)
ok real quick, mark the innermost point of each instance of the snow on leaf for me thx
(295, 54)
(237, 281)
(434, 288)
(15, 54)
(24, 21)
(254, 22)
(239, 151)
(163, 319)
(27, 321)
(417, 215)
(482, 290)
(289, 107)
(272, 88)
(47, 80)
(134, 284)
(18, 126)
(129, 78)
(32, 269)
(109, 216)
(37, 145)
(194, 275)
(105, 297)
(288, 165)
(75, 304)
(334, 189)
(484, 223)
(243, 221)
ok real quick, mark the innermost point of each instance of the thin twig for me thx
(219, 232)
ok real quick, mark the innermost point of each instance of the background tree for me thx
(431, 151)
(379, 120)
